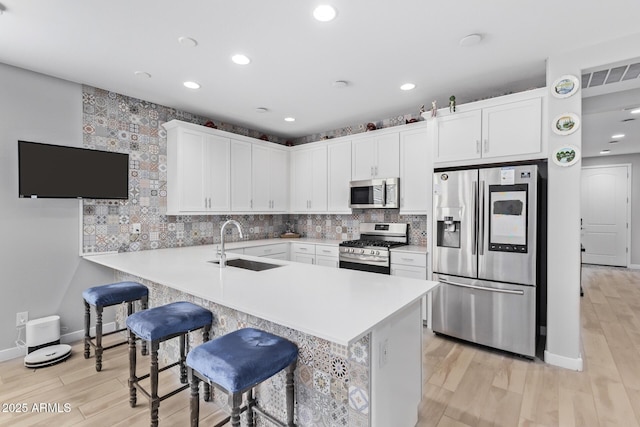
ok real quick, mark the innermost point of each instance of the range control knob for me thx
(373, 252)
(377, 252)
(361, 251)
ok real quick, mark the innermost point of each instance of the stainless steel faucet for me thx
(223, 255)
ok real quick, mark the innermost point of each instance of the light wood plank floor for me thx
(463, 385)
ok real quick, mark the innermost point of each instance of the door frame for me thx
(629, 201)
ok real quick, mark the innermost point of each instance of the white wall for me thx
(634, 160)
(563, 288)
(39, 263)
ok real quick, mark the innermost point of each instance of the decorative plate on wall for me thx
(566, 124)
(566, 155)
(565, 86)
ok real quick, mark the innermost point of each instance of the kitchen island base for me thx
(376, 380)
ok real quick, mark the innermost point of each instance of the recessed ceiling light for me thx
(636, 111)
(408, 86)
(470, 40)
(142, 74)
(261, 110)
(617, 136)
(289, 119)
(187, 41)
(605, 152)
(191, 85)
(324, 13)
(340, 83)
(240, 59)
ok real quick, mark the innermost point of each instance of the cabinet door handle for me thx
(407, 259)
(209, 202)
(303, 249)
(376, 169)
(486, 145)
(251, 203)
(205, 202)
(478, 146)
(326, 251)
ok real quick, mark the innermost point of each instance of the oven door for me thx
(370, 263)
(367, 194)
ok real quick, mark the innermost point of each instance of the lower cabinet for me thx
(276, 251)
(303, 252)
(309, 253)
(327, 256)
(413, 265)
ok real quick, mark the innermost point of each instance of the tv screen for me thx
(55, 171)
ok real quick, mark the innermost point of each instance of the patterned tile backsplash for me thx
(114, 122)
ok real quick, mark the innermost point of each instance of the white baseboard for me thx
(634, 266)
(71, 337)
(563, 362)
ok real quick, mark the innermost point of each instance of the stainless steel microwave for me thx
(375, 193)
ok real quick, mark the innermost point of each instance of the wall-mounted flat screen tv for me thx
(55, 171)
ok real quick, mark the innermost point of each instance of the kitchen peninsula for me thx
(359, 334)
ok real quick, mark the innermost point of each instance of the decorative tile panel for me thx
(327, 396)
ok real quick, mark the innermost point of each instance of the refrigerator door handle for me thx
(481, 221)
(482, 288)
(474, 195)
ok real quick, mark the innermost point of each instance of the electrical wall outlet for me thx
(136, 228)
(22, 318)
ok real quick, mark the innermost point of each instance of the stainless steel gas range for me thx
(371, 251)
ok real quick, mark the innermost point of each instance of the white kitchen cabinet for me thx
(303, 252)
(309, 180)
(416, 169)
(258, 178)
(512, 129)
(339, 175)
(275, 251)
(197, 170)
(376, 156)
(409, 264)
(327, 256)
(501, 129)
(458, 136)
(241, 171)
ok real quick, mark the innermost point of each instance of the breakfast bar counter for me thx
(359, 334)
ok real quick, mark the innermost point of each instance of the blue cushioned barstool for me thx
(157, 325)
(105, 296)
(236, 363)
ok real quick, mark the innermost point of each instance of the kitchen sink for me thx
(248, 265)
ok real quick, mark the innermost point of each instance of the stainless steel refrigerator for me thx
(485, 256)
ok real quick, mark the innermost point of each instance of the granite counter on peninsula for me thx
(359, 334)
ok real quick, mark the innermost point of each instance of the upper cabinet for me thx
(259, 177)
(339, 176)
(211, 171)
(416, 170)
(197, 171)
(507, 128)
(375, 157)
(309, 179)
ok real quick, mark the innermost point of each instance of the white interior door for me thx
(605, 215)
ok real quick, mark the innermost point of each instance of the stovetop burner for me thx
(373, 243)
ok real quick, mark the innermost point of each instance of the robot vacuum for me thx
(43, 343)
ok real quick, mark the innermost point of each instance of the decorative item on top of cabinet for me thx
(452, 104)
(434, 109)
(371, 126)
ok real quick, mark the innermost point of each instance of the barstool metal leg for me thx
(290, 392)
(207, 388)
(98, 338)
(235, 400)
(87, 327)
(132, 369)
(183, 358)
(195, 399)
(144, 304)
(154, 403)
(251, 402)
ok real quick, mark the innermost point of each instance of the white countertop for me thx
(339, 305)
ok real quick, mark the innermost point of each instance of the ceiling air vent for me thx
(632, 72)
(613, 75)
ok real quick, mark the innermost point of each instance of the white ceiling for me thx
(374, 45)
